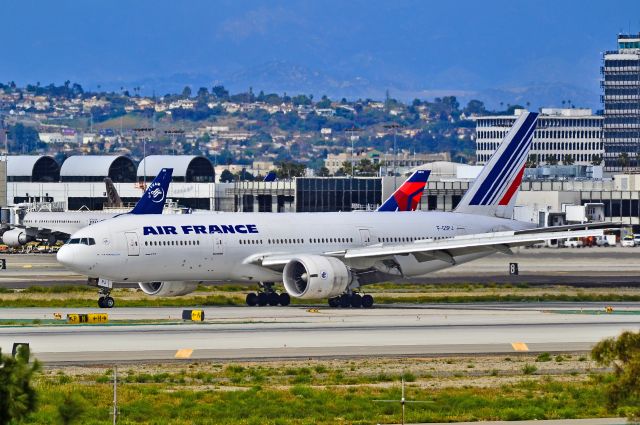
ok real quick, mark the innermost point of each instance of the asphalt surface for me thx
(231, 333)
(568, 266)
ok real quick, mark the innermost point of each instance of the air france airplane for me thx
(59, 225)
(316, 255)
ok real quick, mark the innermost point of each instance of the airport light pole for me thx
(353, 132)
(395, 128)
(174, 134)
(144, 131)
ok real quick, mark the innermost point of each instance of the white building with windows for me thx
(559, 134)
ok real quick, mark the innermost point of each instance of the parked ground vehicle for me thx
(573, 243)
(628, 241)
(606, 240)
(636, 239)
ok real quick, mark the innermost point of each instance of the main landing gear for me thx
(267, 295)
(353, 300)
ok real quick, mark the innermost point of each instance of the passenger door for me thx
(218, 247)
(365, 237)
(133, 249)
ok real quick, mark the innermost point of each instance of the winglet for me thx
(152, 201)
(270, 177)
(407, 196)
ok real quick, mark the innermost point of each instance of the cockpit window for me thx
(81, 241)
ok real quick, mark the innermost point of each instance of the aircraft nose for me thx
(65, 256)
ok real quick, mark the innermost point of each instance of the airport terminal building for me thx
(576, 133)
(79, 184)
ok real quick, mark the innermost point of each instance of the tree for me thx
(596, 159)
(186, 92)
(220, 93)
(567, 159)
(533, 161)
(323, 172)
(623, 353)
(23, 138)
(290, 169)
(203, 93)
(18, 398)
(324, 103)
(72, 407)
(475, 107)
(623, 160)
(227, 177)
(552, 160)
(244, 175)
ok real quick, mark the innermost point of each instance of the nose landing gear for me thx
(267, 295)
(105, 287)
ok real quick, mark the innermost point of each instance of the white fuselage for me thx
(223, 246)
(67, 222)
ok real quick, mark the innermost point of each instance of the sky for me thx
(502, 50)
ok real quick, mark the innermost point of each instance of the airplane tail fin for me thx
(113, 199)
(270, 177)
(493, 192)
(407, 196)
(152, 200)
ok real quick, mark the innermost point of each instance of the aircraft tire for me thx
(367, 301)
(345, 301)
(285, 299)
(251, 299)
(101, 302)
(263, 298)
(273, 299)
(356, 301)
(334, 302)
(109, 302)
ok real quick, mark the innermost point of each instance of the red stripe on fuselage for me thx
(512, 189)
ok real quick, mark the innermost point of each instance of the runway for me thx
(234, 333)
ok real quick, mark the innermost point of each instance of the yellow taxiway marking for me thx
(27, 266)
(184, 353)
(519, 346)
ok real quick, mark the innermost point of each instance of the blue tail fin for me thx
(407, 196)
(270, 177)
(152, 200)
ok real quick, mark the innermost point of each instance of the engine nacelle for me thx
(315, 276)
(16, 237)
(168, 289)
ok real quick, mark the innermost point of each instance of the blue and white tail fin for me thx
(270, 177)
(493, 192)
(407, 196)
(152, 200)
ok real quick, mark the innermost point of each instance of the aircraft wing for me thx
(447, 249)
(428, 249)
(584, 226)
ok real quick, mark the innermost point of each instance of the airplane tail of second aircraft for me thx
(493, 193)
(407, 196)
(153, 199)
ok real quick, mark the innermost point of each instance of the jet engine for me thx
(16, 237)
(315, 276)
(168, 289)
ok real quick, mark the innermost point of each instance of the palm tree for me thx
(623, 160)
